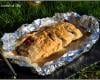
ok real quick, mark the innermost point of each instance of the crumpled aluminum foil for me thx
(89, 23)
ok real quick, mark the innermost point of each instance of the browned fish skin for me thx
(48, 40)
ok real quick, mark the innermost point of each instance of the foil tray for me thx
(89, 23)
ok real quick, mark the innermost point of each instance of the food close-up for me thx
(49, 40)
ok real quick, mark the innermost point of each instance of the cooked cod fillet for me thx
(48, 40)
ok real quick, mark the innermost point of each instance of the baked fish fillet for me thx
(47, 41)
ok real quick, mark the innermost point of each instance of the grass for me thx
(92, 72)
(13, 17)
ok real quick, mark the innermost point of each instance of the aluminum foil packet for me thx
(89, 23)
